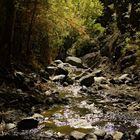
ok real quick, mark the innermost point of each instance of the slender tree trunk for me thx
(6, 33)
(29, 49)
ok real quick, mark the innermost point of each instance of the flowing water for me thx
(85, 112)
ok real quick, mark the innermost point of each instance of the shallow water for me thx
(84, 114)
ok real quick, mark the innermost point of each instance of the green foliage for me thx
(95, 28)
(62, 17)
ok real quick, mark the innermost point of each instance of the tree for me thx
(7, 21)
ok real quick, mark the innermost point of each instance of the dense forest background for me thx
(70, 69)
(33, 33)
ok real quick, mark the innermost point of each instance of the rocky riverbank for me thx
(71, 101)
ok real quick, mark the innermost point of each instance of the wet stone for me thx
(100, 133)
(97, 72)
(108, 137)
(38, 116)
(117, 135)
(100, 79)
(76, 135)
(58, 62)
(27, 124)
(65, 84)
(59, 78)
(9, 126)
(137, 132)
(51, 69)
(91, 136)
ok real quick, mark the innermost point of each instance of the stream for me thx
(82, 100)
(88, 111)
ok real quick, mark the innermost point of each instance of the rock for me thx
(123, 77)
(97, 72)
(137, 137)
(117, 135)
(74, 61)
(103, 86)
(61, 70)
(51, 69)
(108, 137)
(9, 126)
(84, 89)
(100, 133)
(59, 78)
(76, 135)
(81, 75)
(91, 136)
(69, 80)
(27, 124)
(38, 116)
(65, 84)
(99, 79)
(48, 93)
(137, 132)
(58, 62)
(87, 80)
(44, 74)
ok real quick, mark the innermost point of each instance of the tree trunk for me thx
(6, 34)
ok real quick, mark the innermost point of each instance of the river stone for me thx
(61, 70)
(59, 78)
(75, 61)
(97, 72)
(99, 79)
(9, 126)
(76, 135)
(44, 74)
(137, 132)
(117, 135)
(91, 136)
(137, 136)
(27, 124)
(58, 62)
(123, 77)
(38, 116)
(87, 80)
(108, 137)
(100, 133)
(51, 69)
(81, 75)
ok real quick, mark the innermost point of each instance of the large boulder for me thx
(75, 61)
